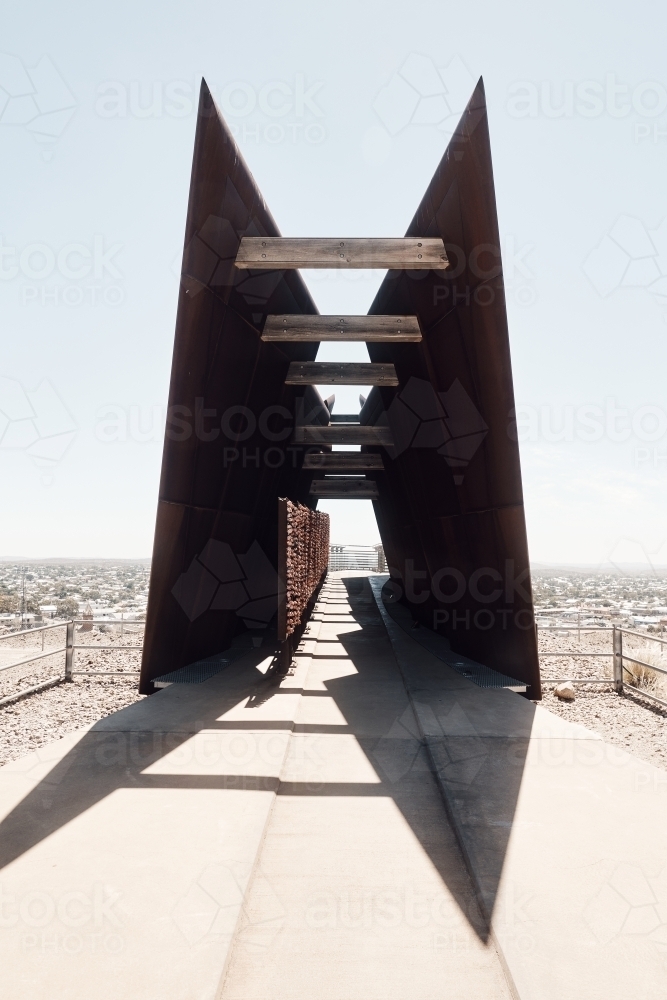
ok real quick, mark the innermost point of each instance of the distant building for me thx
(87, 615)
(368, 557)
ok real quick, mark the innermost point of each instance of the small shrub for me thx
(643, 677)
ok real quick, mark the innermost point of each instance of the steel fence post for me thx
(618, 660)
(69, 651)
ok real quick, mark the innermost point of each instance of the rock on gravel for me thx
(625, 720)
(43, 718)
(565, 691)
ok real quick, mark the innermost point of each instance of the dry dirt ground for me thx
(49, 715)
(42, 718)
(627, 720)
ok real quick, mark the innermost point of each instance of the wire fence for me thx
(57, 648)
(633, 661)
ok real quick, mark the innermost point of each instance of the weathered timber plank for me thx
(343, 434)
(344, 418)
(412, 253)
(365, 328)
(366, 495)
(343, 461)
(340, 373)
(342, 488)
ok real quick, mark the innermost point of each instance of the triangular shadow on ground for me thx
(471, 742)
(118, 752)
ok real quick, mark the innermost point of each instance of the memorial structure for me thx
(246, 426)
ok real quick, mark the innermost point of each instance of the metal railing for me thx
(69, 649)
(357, 557)
(71, 646)
(573, 652)
(617, 654)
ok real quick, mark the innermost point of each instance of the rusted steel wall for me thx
(228, 449)
(450, 508)
(303, 541)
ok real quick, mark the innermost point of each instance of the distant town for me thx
(588, 598)
(35, 591)
(32, 592)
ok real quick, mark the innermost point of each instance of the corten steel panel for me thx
(225, 460)
(303, 557)
(450, 510)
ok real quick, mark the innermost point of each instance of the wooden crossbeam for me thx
(319, 328)
(343, 434)
(344, 418)
(343, 461)
(408, 253)
(340, 373)
(343, 488)
(345, 493)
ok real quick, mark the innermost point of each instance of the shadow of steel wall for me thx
(219, 362)
(427, 521)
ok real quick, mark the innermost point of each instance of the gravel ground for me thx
(42, 718)
(627, 720)
(18, 647)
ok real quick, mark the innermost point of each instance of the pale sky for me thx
(342, 113)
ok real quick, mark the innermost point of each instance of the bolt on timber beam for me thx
(282, 253)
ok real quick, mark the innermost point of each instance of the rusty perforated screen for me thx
(303, 555)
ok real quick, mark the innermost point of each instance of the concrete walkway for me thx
(565, 836)
(359, 875)
(256, 837)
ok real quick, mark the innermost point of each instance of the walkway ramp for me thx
(372, 825)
